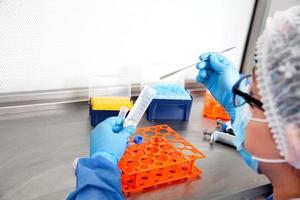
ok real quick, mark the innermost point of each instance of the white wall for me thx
(55, 44)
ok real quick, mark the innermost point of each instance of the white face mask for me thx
(263, 159)
(243, 116)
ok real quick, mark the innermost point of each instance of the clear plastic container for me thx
(140, 106)
(169, 88)
(177, 79)
(107, 95)
(123, 111)
(103, 86)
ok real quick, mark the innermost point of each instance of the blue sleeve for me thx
(270, 197)
(96, 178)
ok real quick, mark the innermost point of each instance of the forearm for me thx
(97, 178)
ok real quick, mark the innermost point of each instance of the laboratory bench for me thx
(37, 150)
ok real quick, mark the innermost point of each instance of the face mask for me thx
(252, 163)
(243, 116)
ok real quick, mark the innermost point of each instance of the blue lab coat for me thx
(97, 179)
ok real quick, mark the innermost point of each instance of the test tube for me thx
(140, 106)
(123, 111)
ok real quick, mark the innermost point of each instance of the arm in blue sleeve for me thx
(97, 178)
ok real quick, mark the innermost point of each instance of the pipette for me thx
(186, 67)
(140, 106)
(220, 137)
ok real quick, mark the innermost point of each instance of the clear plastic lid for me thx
(168, 88)
(176, 79)
(100, 86)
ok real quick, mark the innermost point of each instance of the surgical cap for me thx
(278, 80)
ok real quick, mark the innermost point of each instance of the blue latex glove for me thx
(109, 139)
(219, 75)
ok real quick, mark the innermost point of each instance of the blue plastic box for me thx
(169, 109)
(101, 108)
(97, 116)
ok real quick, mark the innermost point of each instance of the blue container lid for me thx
(138, 139)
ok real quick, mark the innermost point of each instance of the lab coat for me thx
(97, 179)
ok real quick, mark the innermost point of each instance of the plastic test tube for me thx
(123, 111)
(140, 106)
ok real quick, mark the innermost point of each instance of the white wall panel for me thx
(55, 44)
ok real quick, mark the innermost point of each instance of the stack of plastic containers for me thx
(107, 95)
(212, 109)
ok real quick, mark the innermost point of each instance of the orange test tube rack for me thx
(212, 109)
(163, 158)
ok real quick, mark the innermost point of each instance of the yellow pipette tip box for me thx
(107, 106)
(107, 94)
(110, 103)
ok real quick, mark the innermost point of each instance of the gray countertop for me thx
(37, 150)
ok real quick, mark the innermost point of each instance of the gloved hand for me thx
(109, 139)
(219, 75)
